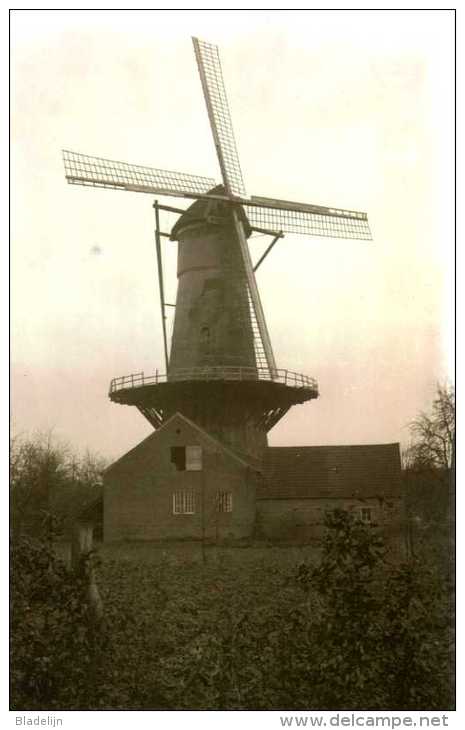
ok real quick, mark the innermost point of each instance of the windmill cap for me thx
(202, 209)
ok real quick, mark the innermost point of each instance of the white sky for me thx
(348, 109)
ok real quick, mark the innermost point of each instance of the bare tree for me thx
(428, 474)
(38, 466)
(433, 436)
(48, 478)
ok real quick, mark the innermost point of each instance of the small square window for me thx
(187, 458)
(224, 501)
(184, 502)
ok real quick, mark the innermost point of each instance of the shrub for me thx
(352, 631)
(56, 648)
(382, 631)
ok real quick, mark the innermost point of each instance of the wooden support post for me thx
(81, 542)
(265, 254)
(160, 281)
(171, 209)
(82, 559)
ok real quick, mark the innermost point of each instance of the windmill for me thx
(221, 370)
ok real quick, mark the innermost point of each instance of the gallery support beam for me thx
(265, 254)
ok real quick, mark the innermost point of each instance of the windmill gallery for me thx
(207, 471)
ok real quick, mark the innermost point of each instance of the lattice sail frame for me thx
(321, 222)
(274, 215)
(267, 213)
(99, 172)
(277, 216)
(211, 77)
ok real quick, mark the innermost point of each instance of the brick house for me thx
(181, 483)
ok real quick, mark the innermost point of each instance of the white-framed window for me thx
(184, 502)
(366, 514)
(187, 458)
(224, 501)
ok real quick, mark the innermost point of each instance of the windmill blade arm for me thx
(261, 334)
(310, 220)
(211, 77)
(99, 172)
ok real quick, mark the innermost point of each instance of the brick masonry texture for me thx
(286, 499)
(139, 488)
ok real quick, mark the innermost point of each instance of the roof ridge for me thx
(242, 459)
(333, 446)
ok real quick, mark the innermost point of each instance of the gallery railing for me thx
(284, 377)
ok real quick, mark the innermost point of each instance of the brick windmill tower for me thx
(220, 372)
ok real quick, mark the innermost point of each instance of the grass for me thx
(183, 553)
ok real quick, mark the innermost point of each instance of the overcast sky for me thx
(347, 109)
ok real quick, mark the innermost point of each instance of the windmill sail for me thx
(99, 172)
(268, 214)
(310, 220)
(211, 77)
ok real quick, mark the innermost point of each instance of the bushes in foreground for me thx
(53, 645)
(351, 632)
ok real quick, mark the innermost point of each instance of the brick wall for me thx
(301, 520)
(212, 317)
(138, 490)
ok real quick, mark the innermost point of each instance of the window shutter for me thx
(193, 458)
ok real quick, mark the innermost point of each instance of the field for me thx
(194, 617)
(192, 553)
(255, 628)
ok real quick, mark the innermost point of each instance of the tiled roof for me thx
(331, 471)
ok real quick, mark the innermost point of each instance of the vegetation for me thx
(433, 437)
(48, 481)
(429, 481)
(54, 647)
(350, 631)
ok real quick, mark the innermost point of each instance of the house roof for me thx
(216, 443)
(303, 472)
(132, 455)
